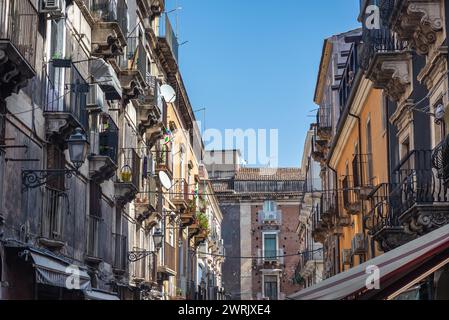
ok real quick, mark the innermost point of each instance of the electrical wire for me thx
(255, 258)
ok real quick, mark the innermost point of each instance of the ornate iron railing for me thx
(18, 23)
(440, 160)
(55, 205)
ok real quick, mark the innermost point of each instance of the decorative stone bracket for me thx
(392, 73)
(101, 168)
(418, 23)
(107, 40)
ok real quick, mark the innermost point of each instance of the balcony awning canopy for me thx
(57, 273)
(100, 295)
(399, 270)
(106, 78)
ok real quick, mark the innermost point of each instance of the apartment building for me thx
(394, 192)
(87, 122)
(260, 215)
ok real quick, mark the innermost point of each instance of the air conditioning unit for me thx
(95, 98)
(359, 244)
(53, 7)
(346, 257)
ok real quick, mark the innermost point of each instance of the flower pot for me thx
(62, 63)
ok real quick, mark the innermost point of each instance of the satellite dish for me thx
(165, 180)
(439, 112)
(168, 93)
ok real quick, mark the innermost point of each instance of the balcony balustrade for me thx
(18, 45)
(270, 219)
(168, 45)
(55, 206)
(110, 27)
(104, 151)
(271, 258)
(324, 123)
(168, 266)
(348, 77)
(351, 201)
(181, 194)
(120, 253)
(127, 185)
(93, 238)
(65, 111)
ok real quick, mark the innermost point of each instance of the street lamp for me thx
(158, 236)
(78, 147)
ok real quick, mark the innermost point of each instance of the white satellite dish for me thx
(168, 93)
(440, 112)
(165, 180)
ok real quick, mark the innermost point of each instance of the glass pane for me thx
(270, 246)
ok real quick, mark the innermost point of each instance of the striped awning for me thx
(397, 270)
(57, 273)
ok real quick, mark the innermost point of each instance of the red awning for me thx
(397, 269)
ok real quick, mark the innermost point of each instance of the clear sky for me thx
(253, 63)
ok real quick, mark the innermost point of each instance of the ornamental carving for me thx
(418, 23)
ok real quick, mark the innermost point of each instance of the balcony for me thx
(144, 270)
(270, 220)
(271, 258)
(319, 227)
(359, 245)
(188, 216)
(168, 267)
(324, 123)
(54, 209)
(146, 204)
(164, 158)
(150, 106)
(387, 62)
(120, 253)
(127, 185)
(168, 45)
(362, 170)
(110, 27)
(382, 222)
(65, 111)
(424, 22)
(93, 239)
(104, 151)
(181, 195)
(131, 75)
(348, 77)
(423, 199)
(440, 161)
(320, 146)
(310, 260)
(18, 44)
(351, 201)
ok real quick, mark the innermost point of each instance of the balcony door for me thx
(271, 287)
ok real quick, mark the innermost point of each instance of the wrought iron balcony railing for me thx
(166, 32)
(18, 24)
(440, 161)
(109, 139)
(351, 201)
(417, 182)
(378, 41)
(93, 236)
(110, 11)
(120, 251)
(348, 77)
(55, 206)
(55, 99)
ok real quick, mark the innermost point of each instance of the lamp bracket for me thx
(32, 179)
(134, 256)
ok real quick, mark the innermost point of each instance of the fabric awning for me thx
(397, 269)
(54, 272)
(100, 295)
(106, 78)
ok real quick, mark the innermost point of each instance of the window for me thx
(269, 206)
(270, 246)
(369, 152)
(271, 287)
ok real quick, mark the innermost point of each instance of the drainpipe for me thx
(336, 190)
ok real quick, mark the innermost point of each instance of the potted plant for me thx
(59, 62)
(126, 174)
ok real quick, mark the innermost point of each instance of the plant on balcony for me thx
(126, 174)
(59, 62)
(203, 223)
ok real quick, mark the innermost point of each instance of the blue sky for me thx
(253, 63)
